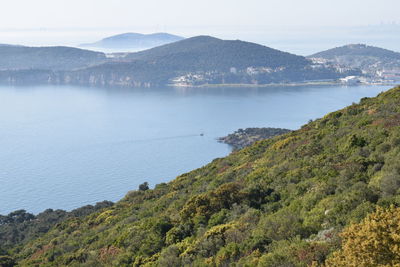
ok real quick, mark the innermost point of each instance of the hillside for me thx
(279, 202)
(48, 58)
(134, 41)
(368, 58)
(20, 226)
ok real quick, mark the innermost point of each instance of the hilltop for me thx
(357, 50)
(134, 41)
(279, 202)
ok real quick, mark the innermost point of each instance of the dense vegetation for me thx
(209, 53)
(48, 58)
(19, 226)
(374, 242)
(280, 202)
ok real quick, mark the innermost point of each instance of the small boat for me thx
(202, 134)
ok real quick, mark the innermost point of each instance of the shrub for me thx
(144, 186)
(373, 242)
(7, 261)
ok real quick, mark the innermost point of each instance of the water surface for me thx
(64, 147)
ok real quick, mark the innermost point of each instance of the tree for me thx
(144, 186)
(7, 261)
(373, 242)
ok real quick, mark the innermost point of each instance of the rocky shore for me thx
(245, 137)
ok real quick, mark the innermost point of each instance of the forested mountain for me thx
(206, 53)
(49, 58)
(134, 41)
(370, 59)
(280, 202)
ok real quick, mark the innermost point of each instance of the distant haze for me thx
(119, 13)
(301, 27)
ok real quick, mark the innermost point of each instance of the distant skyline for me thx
(289, 25)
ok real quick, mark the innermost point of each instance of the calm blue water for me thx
(64, 147)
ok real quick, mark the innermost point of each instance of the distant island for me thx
(376, 64)
(133, 41)
(246, 137)
(197, 62)
(56, 58)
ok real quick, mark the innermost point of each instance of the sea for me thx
(63, 147)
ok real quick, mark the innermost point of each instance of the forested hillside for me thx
(20, 226)
(280, 202)
(206, 53)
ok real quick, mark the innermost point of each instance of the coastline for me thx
(278, 85)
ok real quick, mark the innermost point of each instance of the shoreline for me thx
(279, 85)
(220, 85)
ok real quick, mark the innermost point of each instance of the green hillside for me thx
(279, 202)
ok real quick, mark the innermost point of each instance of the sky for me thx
(50, 22)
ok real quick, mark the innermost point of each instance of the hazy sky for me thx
(74, 21)
(169, 13)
